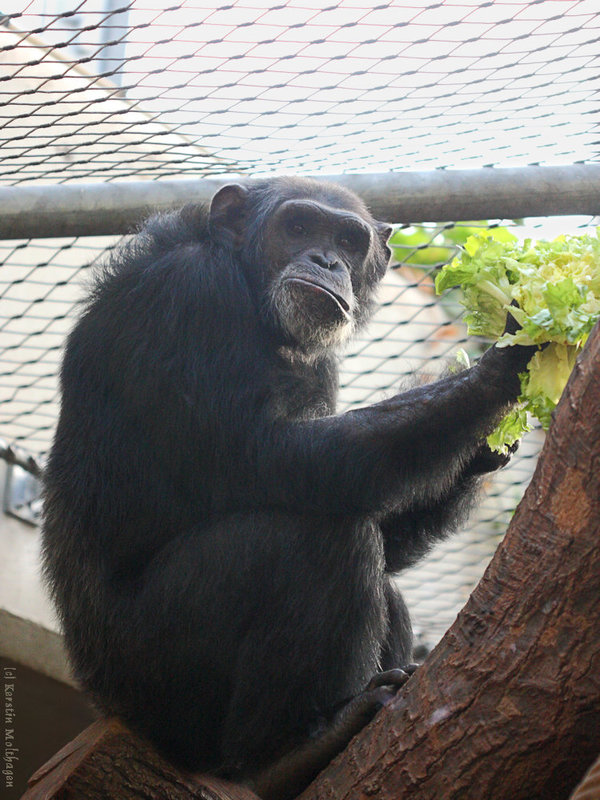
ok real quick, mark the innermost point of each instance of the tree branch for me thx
(108, 761)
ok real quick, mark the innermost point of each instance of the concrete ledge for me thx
(34, 646)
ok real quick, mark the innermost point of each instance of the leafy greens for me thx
(556, 288)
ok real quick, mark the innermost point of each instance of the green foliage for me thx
(551, 288)
(429, 246)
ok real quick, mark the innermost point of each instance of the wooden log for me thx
(108, 762)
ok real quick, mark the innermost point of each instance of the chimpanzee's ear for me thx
(228, 212)
(384, 232)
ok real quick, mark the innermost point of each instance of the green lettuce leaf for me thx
(510, 430)
(556, 288)
(546, 377)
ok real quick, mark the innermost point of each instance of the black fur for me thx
(219, 543)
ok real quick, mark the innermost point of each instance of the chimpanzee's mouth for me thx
(318, 288)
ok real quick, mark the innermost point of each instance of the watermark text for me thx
(10, 750)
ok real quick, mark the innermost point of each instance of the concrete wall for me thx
(29, 632)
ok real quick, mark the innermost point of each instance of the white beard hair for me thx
(310, 336)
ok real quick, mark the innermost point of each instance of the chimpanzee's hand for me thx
(509, 360)
(488, 460)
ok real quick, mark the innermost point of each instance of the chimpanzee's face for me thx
(321, 256)
(315, 255)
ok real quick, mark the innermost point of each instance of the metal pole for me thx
(97, 209)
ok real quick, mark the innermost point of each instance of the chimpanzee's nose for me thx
(325, 260)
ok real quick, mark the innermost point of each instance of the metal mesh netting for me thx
(103, 90)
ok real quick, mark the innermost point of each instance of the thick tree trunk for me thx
(507, 706)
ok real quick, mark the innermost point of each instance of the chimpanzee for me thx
(218, 541)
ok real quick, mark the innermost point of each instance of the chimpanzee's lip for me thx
(314, 286)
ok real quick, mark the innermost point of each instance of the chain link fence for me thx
(102, 90)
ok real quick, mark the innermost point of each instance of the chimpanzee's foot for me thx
(393, 677)
(380, 690)
(286, 777)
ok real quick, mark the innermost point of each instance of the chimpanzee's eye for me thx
(353, 239)
(349, 242)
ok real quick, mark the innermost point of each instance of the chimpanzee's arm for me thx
(408, 535)
(404, 453)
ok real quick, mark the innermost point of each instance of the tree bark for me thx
(109, 761)
(507, 706)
